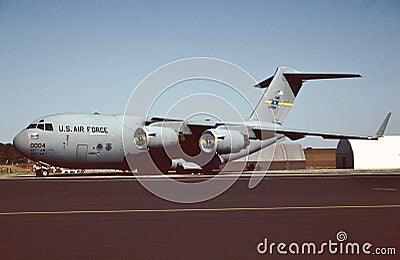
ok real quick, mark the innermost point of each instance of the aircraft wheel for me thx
(207, 170)
(212, 166)
(179, 169)
(161, 159)
(39, 173)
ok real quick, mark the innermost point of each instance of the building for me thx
(320, 158)
(383, 153)
(282, 156)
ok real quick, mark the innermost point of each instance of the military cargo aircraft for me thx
(95, 141)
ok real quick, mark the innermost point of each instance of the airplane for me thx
(96, 141)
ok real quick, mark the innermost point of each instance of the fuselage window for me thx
(40, 126)
(31, 126)
(48, 127)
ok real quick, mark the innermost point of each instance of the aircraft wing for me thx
(197, 128)
(154, 119)
(295, 134)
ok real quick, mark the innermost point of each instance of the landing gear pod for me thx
(149, 137)
(223, 141)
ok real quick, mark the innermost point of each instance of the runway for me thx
(115, 217)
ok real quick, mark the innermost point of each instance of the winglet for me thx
(382, 128)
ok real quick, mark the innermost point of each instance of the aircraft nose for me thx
(21, 142)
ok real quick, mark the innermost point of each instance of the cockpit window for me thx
(42, 126)
(31, 126)
(48, 127)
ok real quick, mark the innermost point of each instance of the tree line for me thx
(8, 155)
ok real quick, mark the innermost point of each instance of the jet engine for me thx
(155, 137)
(223, 141)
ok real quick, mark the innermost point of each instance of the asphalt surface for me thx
(116, 218)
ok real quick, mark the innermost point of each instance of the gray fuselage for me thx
(76, 141)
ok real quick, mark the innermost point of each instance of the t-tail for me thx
(281, 91)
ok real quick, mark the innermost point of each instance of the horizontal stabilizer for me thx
(296, 79)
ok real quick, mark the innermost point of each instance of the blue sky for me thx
(86, 56)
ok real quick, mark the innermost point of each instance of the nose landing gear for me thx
(42, 173)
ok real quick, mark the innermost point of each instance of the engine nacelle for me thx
(154, 137)
(223, 141)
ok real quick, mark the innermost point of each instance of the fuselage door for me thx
(49, 154)
(81, 152)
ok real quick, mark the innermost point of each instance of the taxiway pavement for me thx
(115, 217)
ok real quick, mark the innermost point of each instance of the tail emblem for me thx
(275, 102)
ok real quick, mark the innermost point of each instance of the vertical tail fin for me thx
(282, 89)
